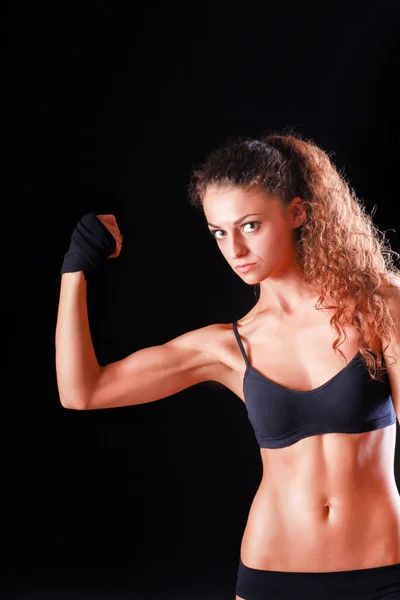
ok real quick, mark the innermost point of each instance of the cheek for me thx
(265, 243)
(270, 244)
(224, 251)
(276, 237)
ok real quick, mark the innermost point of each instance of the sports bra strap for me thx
(240, 343)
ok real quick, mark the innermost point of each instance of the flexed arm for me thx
(144, 376)
(94, 239)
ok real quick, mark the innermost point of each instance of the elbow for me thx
(72, 398)
(72, 403)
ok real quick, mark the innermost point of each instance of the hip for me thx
(380, 583)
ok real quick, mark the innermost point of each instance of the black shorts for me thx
(379, 583)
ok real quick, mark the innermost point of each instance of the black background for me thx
(111, 106)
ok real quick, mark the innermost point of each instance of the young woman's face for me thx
(251, 226)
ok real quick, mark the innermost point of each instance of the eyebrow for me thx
(238, 220)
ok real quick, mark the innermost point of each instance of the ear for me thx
(298, 211)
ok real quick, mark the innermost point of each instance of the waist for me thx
(314, 506)
(306, 532)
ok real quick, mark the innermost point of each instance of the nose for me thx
(237, 248)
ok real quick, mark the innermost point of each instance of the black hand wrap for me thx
(91, 244)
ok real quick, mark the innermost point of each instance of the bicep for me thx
(155, 372)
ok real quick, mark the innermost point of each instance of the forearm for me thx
(77, 367)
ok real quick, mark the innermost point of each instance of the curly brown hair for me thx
(340, 250)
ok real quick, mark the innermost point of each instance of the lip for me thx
(246, 267)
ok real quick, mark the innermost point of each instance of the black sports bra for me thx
(350, 402)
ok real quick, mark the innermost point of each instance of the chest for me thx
(300, 358)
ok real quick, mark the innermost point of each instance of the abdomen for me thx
(327, 503)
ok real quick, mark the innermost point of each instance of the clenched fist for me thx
(110, 222)
(94, 239)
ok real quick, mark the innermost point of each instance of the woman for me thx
(315, 359)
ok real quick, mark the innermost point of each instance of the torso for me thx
(328, 502)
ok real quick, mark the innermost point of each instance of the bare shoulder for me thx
(206, 338)
(392, 352)
(218, 343)
(222, 343)
(392, 291)
(392, 295)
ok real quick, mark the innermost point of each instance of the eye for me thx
(214, 232)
